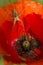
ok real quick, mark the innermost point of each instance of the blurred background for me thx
(4, 2)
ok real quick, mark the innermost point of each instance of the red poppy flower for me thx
(15, 36)
(33, 25)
